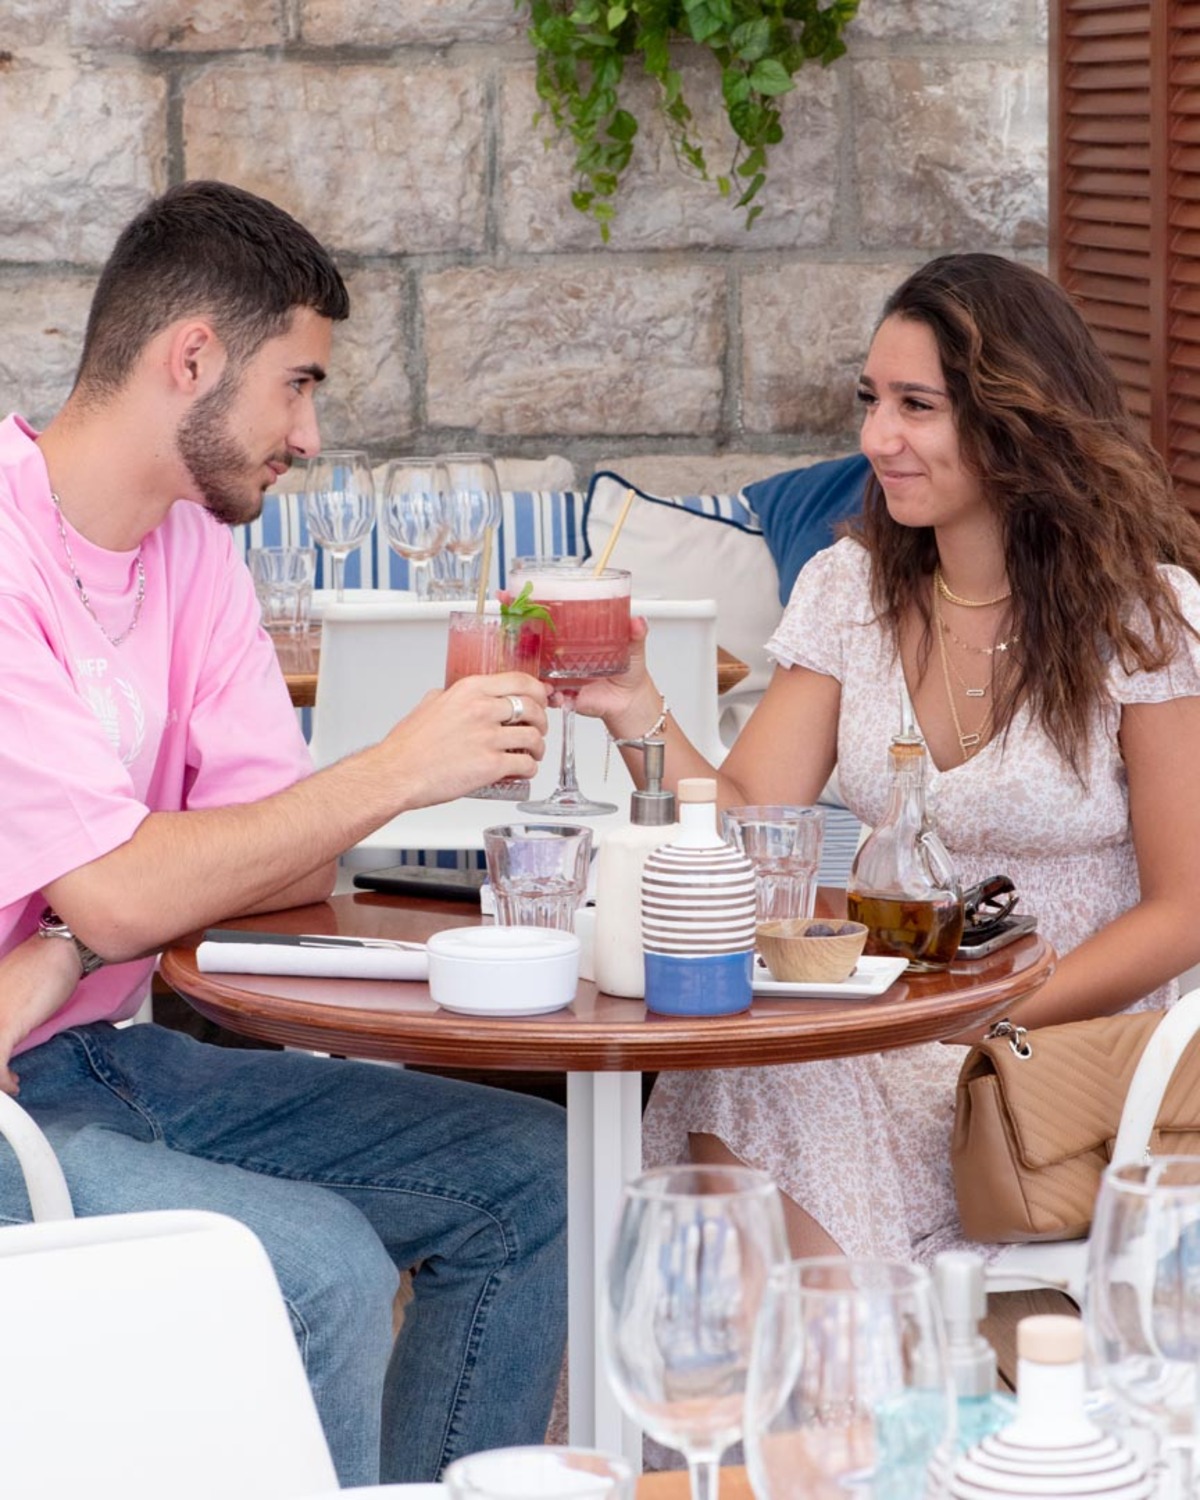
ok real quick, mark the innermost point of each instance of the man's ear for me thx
(195, 357)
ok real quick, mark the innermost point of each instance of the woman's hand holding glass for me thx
(339, 505)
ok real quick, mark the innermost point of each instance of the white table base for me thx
(604, 1150)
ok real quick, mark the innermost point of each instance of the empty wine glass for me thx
(849, 1390)
(415, 521)
(1142, 1302)
(339, 504)
(693, 1248)
(472, 509)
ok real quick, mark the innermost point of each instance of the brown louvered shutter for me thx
(1125, 204)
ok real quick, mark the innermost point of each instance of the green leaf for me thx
(759, 179)
(616, 17)
(770, 77)
(723, 186)
(751, 39)
(523, 608)
(623, 126)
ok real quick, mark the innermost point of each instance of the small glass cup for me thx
(783, 844)
(539, 1473)
(283, 581)
(538, 872)
(482, 644)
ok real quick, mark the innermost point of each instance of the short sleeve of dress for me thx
(831, 593)
(1180, 678)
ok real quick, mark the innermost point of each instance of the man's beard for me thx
(219, 467)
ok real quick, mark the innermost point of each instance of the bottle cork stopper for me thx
(1050, 1340)
(696, 789)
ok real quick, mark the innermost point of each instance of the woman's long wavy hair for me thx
(1085, 504)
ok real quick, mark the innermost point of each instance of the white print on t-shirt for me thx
(108, 708)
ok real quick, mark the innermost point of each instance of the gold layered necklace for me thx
(969, 741)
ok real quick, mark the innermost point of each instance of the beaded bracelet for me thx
(655, 729)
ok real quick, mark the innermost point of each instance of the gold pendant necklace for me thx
(968, 743)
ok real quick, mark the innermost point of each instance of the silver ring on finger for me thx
(516, 712)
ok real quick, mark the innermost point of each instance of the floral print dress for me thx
(862, 1143)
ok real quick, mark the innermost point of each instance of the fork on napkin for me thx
(226, 950)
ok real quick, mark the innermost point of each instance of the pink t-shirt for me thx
(190, 711)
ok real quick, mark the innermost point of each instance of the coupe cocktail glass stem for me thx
(567, 784)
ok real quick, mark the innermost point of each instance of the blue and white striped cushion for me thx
(533, 522)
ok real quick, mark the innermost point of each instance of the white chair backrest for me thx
(379, 657)
(49, 1196)
(149, 1356)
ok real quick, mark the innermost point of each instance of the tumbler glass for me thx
(784, 845)
(538, 872)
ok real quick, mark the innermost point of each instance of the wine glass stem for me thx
(703, 1477)
(566, 773)
(420, 578)
(339, 575)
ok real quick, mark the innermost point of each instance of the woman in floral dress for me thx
(1019, 537)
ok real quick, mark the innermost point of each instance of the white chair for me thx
(145, 1355)
(1060, 1265)
(379, 657)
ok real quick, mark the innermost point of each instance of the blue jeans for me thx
(348, 1173)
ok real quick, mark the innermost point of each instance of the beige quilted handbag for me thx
(1036, 1116)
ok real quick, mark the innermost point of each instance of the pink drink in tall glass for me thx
(588, 638)
(479, 645)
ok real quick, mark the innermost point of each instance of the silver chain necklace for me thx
(113, 640)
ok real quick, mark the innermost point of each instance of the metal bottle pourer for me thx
(653, 807)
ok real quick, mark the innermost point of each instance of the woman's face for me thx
(909, 433)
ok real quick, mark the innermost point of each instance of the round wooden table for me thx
(601, 1043)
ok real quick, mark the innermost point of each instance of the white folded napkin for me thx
(275, 953)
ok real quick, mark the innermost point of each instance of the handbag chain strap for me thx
(1015, 1036)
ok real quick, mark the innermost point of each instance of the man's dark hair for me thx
(211, 249)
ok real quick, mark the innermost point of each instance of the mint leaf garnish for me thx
(523, 607)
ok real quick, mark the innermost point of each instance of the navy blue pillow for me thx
(798, 510)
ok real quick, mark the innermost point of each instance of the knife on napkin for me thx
(229, 950)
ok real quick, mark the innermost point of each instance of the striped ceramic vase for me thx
(698, 915)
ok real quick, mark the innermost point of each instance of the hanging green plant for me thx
(759, 45)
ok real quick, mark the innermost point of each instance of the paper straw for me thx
(485, 568)
(616, 532)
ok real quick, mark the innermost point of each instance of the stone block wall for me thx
(487, 312)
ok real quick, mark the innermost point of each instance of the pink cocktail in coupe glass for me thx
(479, 645)
(588, 637)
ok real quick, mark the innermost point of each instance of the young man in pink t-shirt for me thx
(153, 781)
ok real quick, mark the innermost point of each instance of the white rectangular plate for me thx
(870, 978)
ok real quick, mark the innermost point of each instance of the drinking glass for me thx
(1142, 1302)
(693, 1249)
(482, 644)
(849, 1390)
(541, 1473)
(283, 582)
(339, 504)
(538, 872)
(588, 638)
(472, 509)
(415, 520)
(784, 846)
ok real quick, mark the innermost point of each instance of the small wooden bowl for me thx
(811, 950)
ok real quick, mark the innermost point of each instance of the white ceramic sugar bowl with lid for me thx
(503, 971)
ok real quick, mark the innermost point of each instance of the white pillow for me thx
(695, 547)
